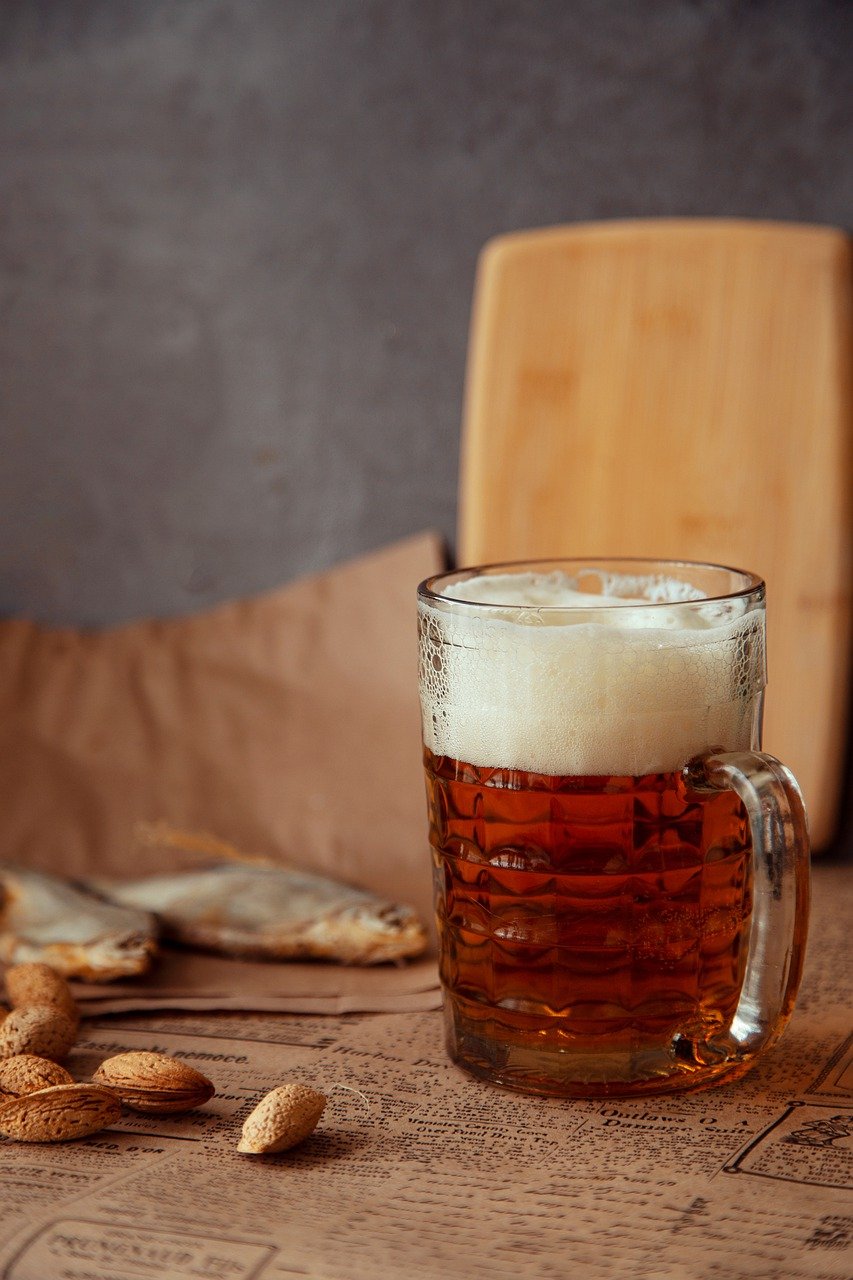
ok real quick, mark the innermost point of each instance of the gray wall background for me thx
(238, 241)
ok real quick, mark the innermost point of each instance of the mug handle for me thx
(780, 896)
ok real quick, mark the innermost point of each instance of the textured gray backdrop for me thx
(238, 241)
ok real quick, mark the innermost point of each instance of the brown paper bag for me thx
(286, 724)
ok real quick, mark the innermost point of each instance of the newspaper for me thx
(419, 1171)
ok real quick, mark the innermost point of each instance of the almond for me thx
(154, 1083)
(35, 983)
(282, 1118)
(40, 1029)
(25, 1073)
(60, 1113)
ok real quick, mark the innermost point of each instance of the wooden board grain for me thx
(680, 388)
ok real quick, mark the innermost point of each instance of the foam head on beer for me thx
(589, 675)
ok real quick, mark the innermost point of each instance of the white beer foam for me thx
(557, 589)
(605, 685)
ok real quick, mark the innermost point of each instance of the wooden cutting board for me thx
(680, 388)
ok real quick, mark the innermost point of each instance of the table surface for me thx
(417, 1169)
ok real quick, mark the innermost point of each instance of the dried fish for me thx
(274, 913)
(43, 917)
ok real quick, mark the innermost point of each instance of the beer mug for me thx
(621, 877)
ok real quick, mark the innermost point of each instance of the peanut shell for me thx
(40, 1029)
(25, 1073)
(60, 1113)
(284, 1117)
(154, 1083)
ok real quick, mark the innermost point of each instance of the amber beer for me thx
(602, 912)
(593, 905)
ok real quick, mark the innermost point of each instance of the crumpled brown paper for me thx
(285, 724)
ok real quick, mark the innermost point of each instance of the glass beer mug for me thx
(621, 877)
